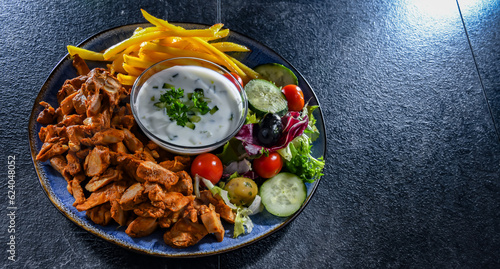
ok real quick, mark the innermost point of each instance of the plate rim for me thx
(32, 137)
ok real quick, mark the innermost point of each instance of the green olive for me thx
(241, 190)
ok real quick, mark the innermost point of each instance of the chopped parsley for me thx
(183, 109)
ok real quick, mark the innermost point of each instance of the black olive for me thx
(269, 130)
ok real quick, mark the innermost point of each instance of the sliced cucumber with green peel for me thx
(283, 194)
(277, 73)
(265, 97)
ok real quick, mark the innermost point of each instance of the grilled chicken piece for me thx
(122, 118)
(52, 131)
(54, 147)
(132, 143)
(119, 147)
(172, 201)
(74, 166)
(145, 156)
(133, 195)
(47, 133)
(211, 220)
(129, 164)
(66, 104)
(166, 222)
(154, 191)
(109, 192)
(153, 172)
(118, 214)
(146, 209)
(75, 134)
(184, 185)
(185, 233)
(190, 212)
(141, 226)
(97, 182)
(109, 136)
(83, 153)
(69, 120)
(97, 161)
(81, 66)
(59, 163)
(80, 103)
(225, 211)
(48, 115)
(101, 81)
(100, 214)
(179, 163)
(69, 87)
(159, 197)
(77, 192)
(98, 122)
(93, 104)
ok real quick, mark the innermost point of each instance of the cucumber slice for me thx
(277, 73)
(283, 194)
(264, 97)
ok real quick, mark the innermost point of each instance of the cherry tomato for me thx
(268, 166)
(294, 96)
(207, 165)
(232, 79)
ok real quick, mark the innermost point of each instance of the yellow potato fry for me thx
(133, 71)
(140, 31)
(136, 62)
(85, 54)
(116, 65)
(153, 56)
(172, 41)
(228, 62)
(249, 71)
(126, 79)
(179, 31)
(220, 34)
(156, 21)
(230, 46)
(181, 53)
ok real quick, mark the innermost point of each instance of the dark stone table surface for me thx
(411, 97)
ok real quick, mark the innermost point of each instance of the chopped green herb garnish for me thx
(152, 98)
(182, 111)
(167, 86)
(213, 110)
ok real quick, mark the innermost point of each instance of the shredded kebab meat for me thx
(115, 173)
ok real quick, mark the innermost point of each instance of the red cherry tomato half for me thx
(268, 166)
(207, 165)
(232, 79)
(294, 96)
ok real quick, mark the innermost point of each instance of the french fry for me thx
(136, 62)
(181, 53)
(220, 34)
(157, 21)
(154, 56)
(249, 71)
(126, 79)
(230, 46)
(85, 54)
(131, 70)
(228, 62)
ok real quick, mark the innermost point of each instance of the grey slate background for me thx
(413, 164)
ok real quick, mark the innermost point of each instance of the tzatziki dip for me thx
(189, 106)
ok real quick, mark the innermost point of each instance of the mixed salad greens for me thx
(267, 164)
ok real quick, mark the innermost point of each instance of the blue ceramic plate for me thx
(55, 186)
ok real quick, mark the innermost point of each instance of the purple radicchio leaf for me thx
(294, 125)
